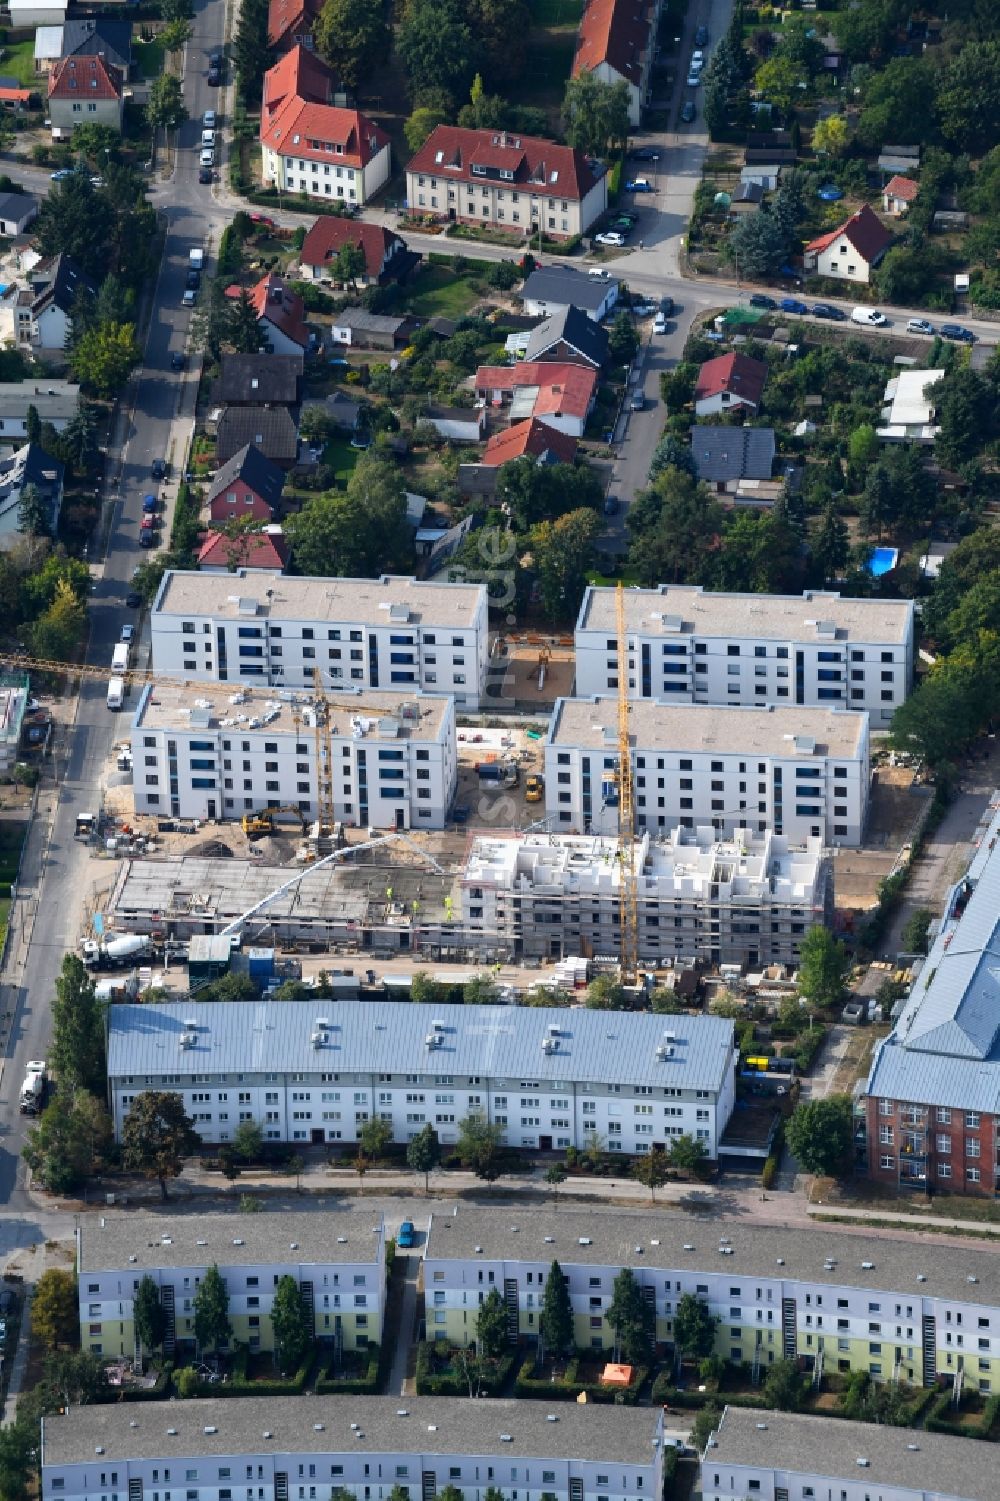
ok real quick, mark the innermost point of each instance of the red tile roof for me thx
(254, 550)
(311, 131)
(14, 96)
(330, 234)
(530, 437)
(736, 373)
(275, 304)
(864, 230)
(300, 72)
(616, 32)
(536, 164)
(288, 18)
(79, 78)
(901, 187)
(564, 390)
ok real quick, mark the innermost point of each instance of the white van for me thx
(869, 316)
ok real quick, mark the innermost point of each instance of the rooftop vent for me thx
(239, 1242)
(267, 1433)
(970, 1278)
(688, 1246)
(761, 1425)
(172, 1432)
(402, 1412)
(293, 1245)
(317, 1428)
(654, 1242)
(210, 1428)
(550, 1417)
(584, 1240)
(921, 1277)
(506, 1438)
(549, 1239)
(781, 1260)
(868, 1266)
(99, 1449)
(862, 1462)
(432, 1428)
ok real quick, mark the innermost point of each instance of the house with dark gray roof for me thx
(99, 36)
(568, 335)
(28, 466)
(356, 326)
(272, 430)
(17, 210)
(249, 484)
(550, 289)
(259, 380)
(725, 455)
(55, 286)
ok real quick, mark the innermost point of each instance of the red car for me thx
(262, 219)
(148, 523)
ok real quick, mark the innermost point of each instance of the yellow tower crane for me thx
(628, 902)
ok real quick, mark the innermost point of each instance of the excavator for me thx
(254, 825)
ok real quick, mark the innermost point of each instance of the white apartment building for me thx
(395, 633)
(783, 1456)
(749, 900)
(309, 1072)
(200, 750)
(805, 776)
(337, 1264)
(816, 650)
(819, 1296)
(293, 1448)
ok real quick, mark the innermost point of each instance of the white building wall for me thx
(51, 328)
(842, 261)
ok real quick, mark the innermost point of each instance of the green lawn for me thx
(438, 292)
(339, 456)
(17, 60)
(556, 12)
(148, 57)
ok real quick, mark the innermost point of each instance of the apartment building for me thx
(338, 1266)
(396, 633)
(816, 649)
(929, 1116)
(311, 1073)
(783, 1456)
(749, 900)
(201, 750)
(906, 1311)
(805, 776)
(298, 1447)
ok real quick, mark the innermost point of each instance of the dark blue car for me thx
(956, 331)
(792, 305)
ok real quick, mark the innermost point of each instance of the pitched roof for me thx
(901, 187)
(331, 233)
(732, 453)
(616, 32)
(571, 326)
(58, 281)
(566, 285)
(267, 549)
(300, 73)
(17, 205)
(562, 389)
(14, 95)
(451, 152)
(91, 36)
(532, 438)
(287, 18)
(865, 232)
(736, 373)
(255, 470)
(276, 304)
(259, 379)
(85, 78)
(271, 429)
(312, 132)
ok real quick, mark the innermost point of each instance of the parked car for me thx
(956, 331)
(128, 631)
(148, 523)
(919, 326)
(697, 61)
(205, 174)
(190, 297)
(177, 360)
(610, 237)
(624, 217)
(644, 154)
(159, 468)
(207, 158)
(827, 310)
(643, 309)
(637, 401)
(870, 317)
(660, 324)
(62, 173)
(667, 306)
(147, 539)
(148, 505)
(701, 37)
(133, 599)
(621, 227)
(760, 299)
(611, 506)
(208, 119)
(639, 185)
(208, 138)
(405, 1238)
(693, 80)
(792, 305)
(194, 279)
(688, 111)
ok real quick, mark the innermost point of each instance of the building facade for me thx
(340, 1276)
(550, 1078)
(393, 633)
(820, 1297)
(803, 776)
(297, 1447)
(816, 650)
(748, 901)
(204, 752)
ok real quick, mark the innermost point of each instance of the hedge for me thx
(239, 1386)
(453, 1383)
(569, 1388)
(350, 1386)
(154, 1393)
(937, 1421)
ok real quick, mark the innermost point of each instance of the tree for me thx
(688, 1155)
(350, 263)
(967, 412)
(862, 446)
(248, 1141)
(556, 1319)
(34, 513)
(352, 36)
(595, 114)
(70, 1141)
(149, 1315)
(831, 547)
(823, 966)
(899, 102)
(480, 1147)
(941, 716)
(757, 245)
(418, 126)
(605, 993)
(58, 631)
(79, 437)
(779, 79)
(829, 137)
(437, 49)
(479, 991)
(632, 1319)
(76, 1053)
(157, 1136)
(670, 452)
(694, 1327)
(77, 220)
(165, 105)
(375, 1136)
(563, 553)
(55, 1314)
(491, 1326)
(243, 332)
(651, 1170)
(968, 96)
(103, 356)
(914, 935)
(357, 534)
(820, 1135)
(675, 527)
(293, 1333)
(783, 1386)
(483, 111)
(623, 341)
(173, 38)
(251, 52)
(423, 1153)
(32, 424)
(212, 1328)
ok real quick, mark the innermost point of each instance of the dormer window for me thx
(506, 174)
(477, 170)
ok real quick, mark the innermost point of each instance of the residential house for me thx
(904, 160)
(25, 15)
(29, 465)
(281, 314)
(84, 91)
(12, 95)
(290, 23)
(458, 424)
(48, 47)
(617, 43)
(897, 195)
(299, 74)
(265, 551)
(44, 314)
(562, 395)
(530, 439)
(552, 289)
(55, 401)
(320, 149)
(747, 199)
(727, 382)
(910, 412)
(725, 455)
(764, 175)
(248, 484)
(355, 326)
(342, 412)
(17, 210)
(99, 36)
(384, 254)
(506, 180)
(852, 250)
(259, 380)
(272, 430)
(566, 336)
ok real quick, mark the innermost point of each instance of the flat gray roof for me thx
(928, 1463)
(169, 702)
(895, 1266)
(219, 890)
(374, 1037)
(778, 617)
(429, 1425)
(362, 601)
(173, 1240)
(656, 724)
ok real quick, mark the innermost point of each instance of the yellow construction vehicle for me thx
(263, 821)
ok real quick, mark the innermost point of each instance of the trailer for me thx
(33, 1087)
